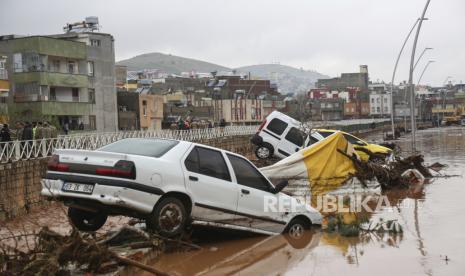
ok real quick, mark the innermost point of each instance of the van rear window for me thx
(277, 126)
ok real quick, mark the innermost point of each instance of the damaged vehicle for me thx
(280, 136)
(171, 184)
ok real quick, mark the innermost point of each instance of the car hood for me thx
(378, 149)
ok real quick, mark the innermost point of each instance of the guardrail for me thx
(23, 150)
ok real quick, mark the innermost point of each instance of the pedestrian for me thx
(47, 131)
(66, 128)
(39, 131)
(5, 135)
(81, 126)
(27, 131)
(222, 122)
(54, 131)
(19, 131)
(34, 130)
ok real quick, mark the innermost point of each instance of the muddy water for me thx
(432, 243)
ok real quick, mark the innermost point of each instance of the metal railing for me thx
(23, 150)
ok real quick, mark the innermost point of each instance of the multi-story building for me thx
(328, 109)
(68, 79)
(380, 104)
(359, 80)
(139, 111)
(4, 90)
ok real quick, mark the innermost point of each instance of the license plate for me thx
(78, 188)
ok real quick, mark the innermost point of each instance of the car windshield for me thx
(144, 147)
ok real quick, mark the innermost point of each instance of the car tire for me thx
(296, 233)
(169, 217)
(264, 151)
(86, 220)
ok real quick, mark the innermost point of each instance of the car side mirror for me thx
(280, 186)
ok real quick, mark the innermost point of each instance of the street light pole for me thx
(410, 79)
(422, 53)
(394, 74)
(420, 115)
(423, 72)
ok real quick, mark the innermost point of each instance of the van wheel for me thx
(86, 220)
(169, 217)
(263, 152)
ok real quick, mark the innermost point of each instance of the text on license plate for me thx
(78, 187)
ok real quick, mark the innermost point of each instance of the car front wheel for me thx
(263, 152)
(86, 220)
(168, 218)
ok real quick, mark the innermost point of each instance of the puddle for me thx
(432, 242)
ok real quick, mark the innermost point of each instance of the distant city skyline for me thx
(331, 37)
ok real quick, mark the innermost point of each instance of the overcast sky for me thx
(329, 36)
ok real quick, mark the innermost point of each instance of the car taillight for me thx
(55, 165)
(261, 126)
(122, 169)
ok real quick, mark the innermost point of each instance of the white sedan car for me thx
(171, 184)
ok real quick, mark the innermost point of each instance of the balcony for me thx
(52, 79)
(54, 108)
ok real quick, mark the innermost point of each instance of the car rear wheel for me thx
(263, 152)
(86, 220)
(168, 218)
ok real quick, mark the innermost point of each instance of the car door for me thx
(273, 134)
(254, 193)
(209, 182)
(293, 141)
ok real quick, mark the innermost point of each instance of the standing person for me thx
(222, 122)
(27, 131)
(47, 131)
(19, 131)
(81, 126)
(66, 128)
(34, 129)
(54, 131)
(39, 131)
(5, 134)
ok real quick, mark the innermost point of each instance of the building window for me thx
(90, 68)
(91, 95)
(71, 67)
(144, 108)
(372, 100)
(95, 42)
(378, 109)
(53, 94)
(18, 62)
(75, 94)
(55, 66)
(385, 100)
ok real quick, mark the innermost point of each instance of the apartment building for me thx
(67, 79)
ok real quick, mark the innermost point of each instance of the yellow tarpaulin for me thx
(321, 163)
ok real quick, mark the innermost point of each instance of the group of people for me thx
(190, 123)
(28, 131)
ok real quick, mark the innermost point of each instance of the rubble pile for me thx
(51, 253)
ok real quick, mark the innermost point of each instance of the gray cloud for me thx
(330, 36)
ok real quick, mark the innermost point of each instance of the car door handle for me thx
(244, 191)
(193, 178)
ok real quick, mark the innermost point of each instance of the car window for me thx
(277, 126)
(296, 136)
(247, 174)
(325, 133)
(207, 162)
(354, 141)
(312, 140)
(141, 146)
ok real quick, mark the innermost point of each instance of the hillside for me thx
(289, 79)
(170, 64)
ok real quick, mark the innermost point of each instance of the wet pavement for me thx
(432, 242)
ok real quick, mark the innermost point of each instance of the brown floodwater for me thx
(432, 242)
